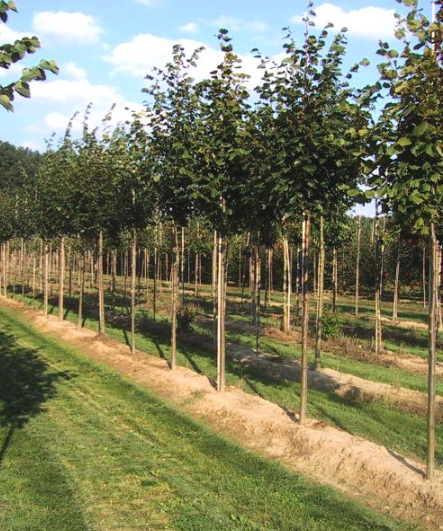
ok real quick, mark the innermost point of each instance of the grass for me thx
(378, 421)
(86, 449)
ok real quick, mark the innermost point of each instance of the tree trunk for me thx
(182, 267)
(357, 269)
(221, 305)
(214, 284)
(424, 275)
(306, 229)
(440, 316)
(45, 279)
(396, 285)
(154, 295)
(5, 268)
(175, 296)
(297, 285)
(433, 326)
(133, 282)
(320, 299)
(257, 282)
(286, 286)
(334, 278)
(378, 278)
(81, 288)
(61, 288)
(101, 290)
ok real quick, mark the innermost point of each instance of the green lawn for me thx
(377, 421)
(86, 449)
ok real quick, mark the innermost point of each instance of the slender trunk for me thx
(378, 277)
(34, 271)
(439, 306)
(286, 286)
(239, 264)
(297, 285)
(22, 265)
(396, 285)
(148, 263)
(334, 278)
(154, 295)
(214, 284)
(221, 296)
(70, 265)
(61, 288)
(316, 267)
(182, 267)
(306, 230)
(5, 268)
(101, 290)
(257, 282)
(252, 285)
(45, 279)
(81, 288)
(133, 282)
(357, 268)
(196, 266)
(424, 275)
(174, 296)
(113, 277)
(433, 325)
(244, 270)
(125, 274)
(320, 299)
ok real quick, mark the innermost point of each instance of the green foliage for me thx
(331, 325)
(186, 315)
(410, 132)
(12, 53)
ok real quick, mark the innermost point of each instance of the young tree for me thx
(410, 177)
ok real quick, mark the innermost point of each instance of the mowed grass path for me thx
(82, 448)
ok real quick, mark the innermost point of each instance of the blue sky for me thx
(105, 48)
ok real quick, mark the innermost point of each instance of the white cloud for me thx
(79, 91)
(368, 21)
(235, 24)
(190, 27)
(14, 72)
(32, 144)
(67, 26)
(57, 122)
(8, 35)
(140, 55)
(73, 71)
(149, 3)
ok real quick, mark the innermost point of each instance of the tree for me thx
(12, 53)
(410, 181)
(321, 126)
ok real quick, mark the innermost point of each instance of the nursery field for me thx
(106, 438)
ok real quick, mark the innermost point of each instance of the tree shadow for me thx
(406, 463)
(26, 384)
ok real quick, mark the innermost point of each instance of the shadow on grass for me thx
(26, 383)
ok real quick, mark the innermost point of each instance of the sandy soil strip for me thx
(374, 474)
(342, 384)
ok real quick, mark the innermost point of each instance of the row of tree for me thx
(298, 155)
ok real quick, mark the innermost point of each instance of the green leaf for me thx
(404, 141)
(420, 129)
(6, 102)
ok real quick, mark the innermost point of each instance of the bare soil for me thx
(374, 474)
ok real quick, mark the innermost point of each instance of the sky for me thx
(105, 48)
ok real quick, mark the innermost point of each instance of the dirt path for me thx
(372, 473)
